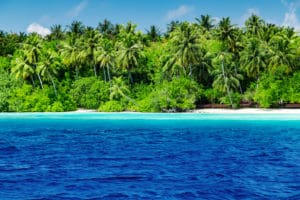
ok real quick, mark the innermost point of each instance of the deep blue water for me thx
(149, 156)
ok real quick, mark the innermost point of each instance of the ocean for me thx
(149, 156)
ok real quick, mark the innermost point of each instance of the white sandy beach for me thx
(228, 111)
(247, 111)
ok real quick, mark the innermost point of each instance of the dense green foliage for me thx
(117, 68)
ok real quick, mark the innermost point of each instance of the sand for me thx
(247, 111)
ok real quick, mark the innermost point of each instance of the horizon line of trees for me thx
(114, 67)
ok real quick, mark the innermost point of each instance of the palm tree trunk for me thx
(104, 74)
(190, 71)
(223, 70)
(53, 84)
(130, 76)
(41, 83)
(235, 70)
(228, 93)
(77, 72)
(227, 87)
(33, 84)
(108, 74)
(95, 70)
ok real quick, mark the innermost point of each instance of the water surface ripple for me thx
(154, 156)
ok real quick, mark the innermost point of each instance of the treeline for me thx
(114, 67)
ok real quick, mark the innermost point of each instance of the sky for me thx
(40, 15)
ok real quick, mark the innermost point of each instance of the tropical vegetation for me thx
(114, 67)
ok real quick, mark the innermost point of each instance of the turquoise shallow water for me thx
(149, 156)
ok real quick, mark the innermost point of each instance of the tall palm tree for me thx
(57, 33)
(203, 66)
(128, 57)
(253, 58)
(76, 29)
(205, 22)
(33, 49)
(171, 27)
(106, 58)
(226, 32)
(281, 54)
(91, 42)
(185, 46)
(106, 27)
(72, 54)
(153, 34)
(254, 25)
(48, 66)
(225, 77)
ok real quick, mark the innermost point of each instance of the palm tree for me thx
(153, 34)
(57, 32)
(185, 46)
(225, 77)
(254, 25)
(253, 58)
(76, 29)
(129, 58)
(119, 89)
(33, 49)
(171, 27)
(106, 27)
(91, 41)
(203, 66)
(48, 65)
(205, 22)
(22, 68)
(106, 58)
(226, 32)
(72, 54)
(281, 54)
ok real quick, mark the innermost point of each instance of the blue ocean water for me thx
(149, 156)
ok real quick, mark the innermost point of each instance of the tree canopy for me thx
(115, 67)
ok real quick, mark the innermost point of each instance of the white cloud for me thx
(36, 28)
(290, 17)
(74, 12)
(179, 12)
(247, 14)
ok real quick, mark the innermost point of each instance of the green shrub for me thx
(112, 106)
(90, 92)
(57, 107)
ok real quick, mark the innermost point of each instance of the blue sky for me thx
(24, 15)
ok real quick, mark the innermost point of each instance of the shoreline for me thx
(217, 111)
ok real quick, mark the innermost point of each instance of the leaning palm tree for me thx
(22, 68)
(185, 46)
